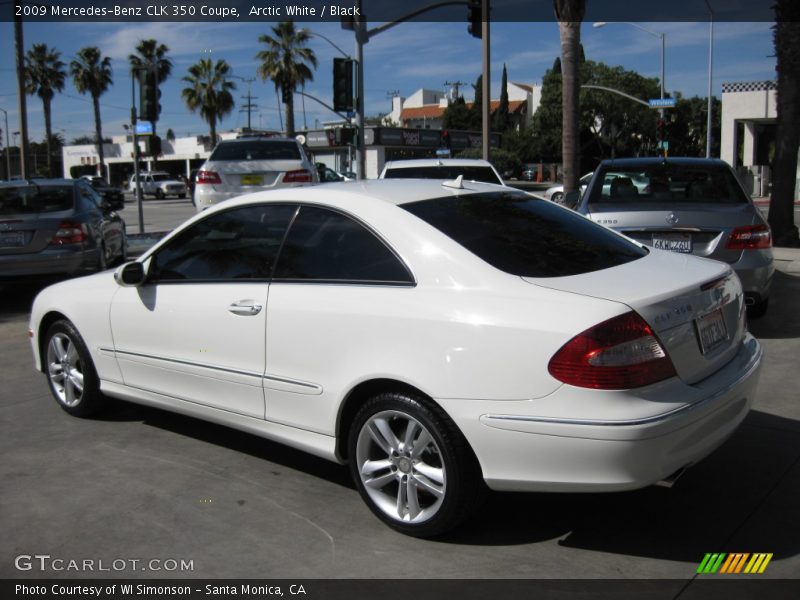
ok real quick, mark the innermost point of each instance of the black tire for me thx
(70, 371)
(415, 473)
(758, 310)
(159, 194)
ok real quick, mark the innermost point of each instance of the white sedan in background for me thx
(439, 337)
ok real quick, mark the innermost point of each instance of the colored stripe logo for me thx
(734, 563)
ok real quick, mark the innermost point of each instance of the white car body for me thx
(442, 168)
(245, 172)
(474, 340)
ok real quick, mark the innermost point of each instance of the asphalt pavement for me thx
(140, 484)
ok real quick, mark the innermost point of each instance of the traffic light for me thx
(475, 18)
(661, 130)
(153, 144)
(286, 94)
(344, 135)
(149, 95)
(343, 84)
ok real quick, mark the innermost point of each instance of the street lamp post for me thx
(8, 148)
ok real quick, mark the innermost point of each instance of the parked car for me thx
(442, 168)
(57, 227)
(687, 205)
(556, 193)
(113, 195)
(159, 184)
(252, 164)
(436, 336)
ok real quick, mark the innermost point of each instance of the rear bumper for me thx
(755, 269)
(648, 434)
(66, 260)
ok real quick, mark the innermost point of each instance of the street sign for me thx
(144, 128)
(662, 102)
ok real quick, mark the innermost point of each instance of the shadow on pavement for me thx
(783, 318)
(16, 298)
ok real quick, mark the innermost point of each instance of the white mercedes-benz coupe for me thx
(439, 337)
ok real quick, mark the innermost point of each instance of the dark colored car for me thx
(688, 205)
(57, 227)
(113, 195)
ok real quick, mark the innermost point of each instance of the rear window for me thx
(668, 183)
(16, 200)
(484, 174)
(256, 150)
(526, 236)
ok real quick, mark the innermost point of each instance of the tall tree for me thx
(209, 91)
(287, 61)
(151, 54)
(501, 120)
(569, 14)
(787, 139)
(91, 74)
(44, 76)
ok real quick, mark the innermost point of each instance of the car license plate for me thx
(12, 240)
(252, 180)
(711, 330)
(675, 242)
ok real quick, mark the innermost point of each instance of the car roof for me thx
(391, 191)
(257, 139)
(39, 182)
(438, 162)
(632, 163)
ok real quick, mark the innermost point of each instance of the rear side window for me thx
(526, 236)
(484, 174)
(256, 150)
(668, 183)
(29, 199)
(326, 246)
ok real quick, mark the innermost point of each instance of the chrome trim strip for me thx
(635, 422)
(215, 368)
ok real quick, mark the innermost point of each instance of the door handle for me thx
(245, 308)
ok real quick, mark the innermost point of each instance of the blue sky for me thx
(405, 58)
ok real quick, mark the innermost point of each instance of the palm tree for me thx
(286, 62)
(91, 73)
(44, 76)
(210, 91)
(569, 14)
(787, 137)
(151, 54)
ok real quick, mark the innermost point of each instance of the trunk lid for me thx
(695, 307)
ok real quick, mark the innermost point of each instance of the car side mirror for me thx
(130, 274)
(572, 198)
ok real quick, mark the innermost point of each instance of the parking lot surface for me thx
(141, 484)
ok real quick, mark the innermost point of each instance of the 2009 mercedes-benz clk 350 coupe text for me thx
(439, 337)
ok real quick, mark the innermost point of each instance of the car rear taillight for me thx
(299, 176)
(750, 237)
(620, 353)
(209, 177)
(69, 232)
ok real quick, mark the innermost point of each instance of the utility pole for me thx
(21, 99)
(487, 82)
(454, 85)
(249, 106)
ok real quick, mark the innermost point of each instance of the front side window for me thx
(525, 236)
(236, 245)
(327, 246)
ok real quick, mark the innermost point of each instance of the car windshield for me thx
(16, 200)
(669, 183)
(470, 173)
(526, 236)
(256, 150)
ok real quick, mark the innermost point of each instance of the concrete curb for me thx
(787, 259)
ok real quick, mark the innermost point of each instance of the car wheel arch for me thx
(362, 392)
(44, 325)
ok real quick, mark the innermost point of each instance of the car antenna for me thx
(457, 183)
